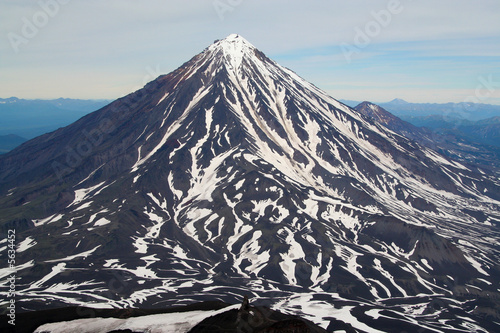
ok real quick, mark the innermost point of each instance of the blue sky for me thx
(376, 50)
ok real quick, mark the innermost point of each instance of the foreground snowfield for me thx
(180, 322)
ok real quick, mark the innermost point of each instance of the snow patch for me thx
(26, 244)
(83, 254)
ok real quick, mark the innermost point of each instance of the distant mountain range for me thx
(485, 131)
(30, 118)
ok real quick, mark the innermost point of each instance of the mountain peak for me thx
(234, 48)
(232, 42)
(232, 37)
(398, 101)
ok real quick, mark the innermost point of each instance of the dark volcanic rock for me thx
(256, 319)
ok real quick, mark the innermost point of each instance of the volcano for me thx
(233, 176)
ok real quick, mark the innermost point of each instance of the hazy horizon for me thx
(339, 99)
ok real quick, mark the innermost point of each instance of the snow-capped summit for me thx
(233, 39)
(232, 43)
(231, 176)
(234, 48)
